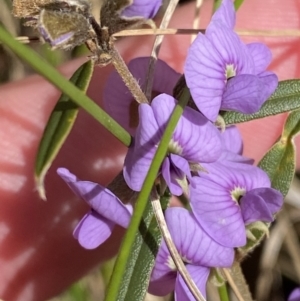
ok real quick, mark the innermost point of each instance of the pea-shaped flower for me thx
(223, 73)
(195, 140)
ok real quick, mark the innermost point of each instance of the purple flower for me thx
(195, 140)
(106, 211)
(142, 8)
(118, 101)
(197, 250)
(223, 73)
(295, 295)
(230, 196)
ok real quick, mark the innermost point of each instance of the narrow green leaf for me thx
(286, 98)
(59, 126)
(139, 266)
(279, 162)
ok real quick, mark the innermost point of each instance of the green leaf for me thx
(286, 98)
(59, 126)
(279, 162)
(139, 266)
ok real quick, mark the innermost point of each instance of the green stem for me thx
(59, 81)
(143, 198)
(222, 288)
(223, 292)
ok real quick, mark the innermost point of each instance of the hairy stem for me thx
(127, 77)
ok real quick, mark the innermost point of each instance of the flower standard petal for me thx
(217, 213)
(193, 243)
(205, 76)
(199, 275)
(225, 13)
(142, 8)
(118, 100)
(195, 138)
(215, 196)
(93, 230)
(261, 55)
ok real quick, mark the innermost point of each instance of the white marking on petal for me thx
(171, 264)
(175, 147)
(237, 193)
(230, 71)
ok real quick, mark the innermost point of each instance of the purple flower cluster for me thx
(227, 192)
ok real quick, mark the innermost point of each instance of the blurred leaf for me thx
(59, 126)
(138, 270)
(238, 3)
(279, 162)
(107, 269)
(285, 99)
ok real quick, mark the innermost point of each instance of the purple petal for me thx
(198, 139)
(194, 245)
(213, 204)
(93, 230)
(199, 274)
(118, 100)
(260, 204)
(230, 47)
(295, 295)
(225, 13)
(163, 106)
(217, 213)
(261, 55)
(99, 198)
(271, 82)
(244, 93)
(142, 8)
(56, 42)
(205, 76)
(171, 178)
(254, 209)
(182, 165)
(227, 158)
(140, 155)
(163, 276)
(232, 140)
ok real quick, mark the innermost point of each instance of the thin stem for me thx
(237, 282)
(143, 198)
(173, 251)
(222, 288)
(156, 47)
(127, 77)
(59, 81)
